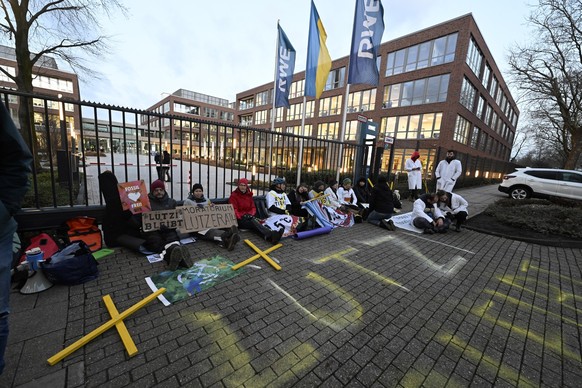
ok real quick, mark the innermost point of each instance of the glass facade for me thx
(362, 101)
(461, 131)
(420, 91)
(468, 94)
(330, 106)
(328, 131)
(432, 53)
(474, 57)
(421, 126)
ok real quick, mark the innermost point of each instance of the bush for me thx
(540, 215)
(45, 192)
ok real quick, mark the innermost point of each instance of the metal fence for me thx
(75, 141)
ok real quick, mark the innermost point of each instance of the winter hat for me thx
(362, 179)
(382, 179)
(243, 181)
(415, 154)
(197, 186)
(279, 181)
(347, 181)
(332, 182)
(157, 184)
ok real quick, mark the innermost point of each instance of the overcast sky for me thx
(224, 47)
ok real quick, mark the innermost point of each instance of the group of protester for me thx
(435, 212)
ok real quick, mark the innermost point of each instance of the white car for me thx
(542, 182)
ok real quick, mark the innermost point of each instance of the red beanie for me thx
(243, 181)
(415, 154)
(157, 184)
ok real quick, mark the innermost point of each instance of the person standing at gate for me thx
(15, 165)
(447, 172)
(166, 168)
(159, 160)
(414, 168)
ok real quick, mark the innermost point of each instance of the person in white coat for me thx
(447, 172)
(454, 207)
(414, 168)
(427, 216)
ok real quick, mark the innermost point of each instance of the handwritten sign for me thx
(190, 218)
(134, 196)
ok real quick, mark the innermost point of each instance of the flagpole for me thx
(300, 160)
(343, 127)
(273, 113)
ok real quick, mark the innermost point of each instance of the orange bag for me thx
(86, 230)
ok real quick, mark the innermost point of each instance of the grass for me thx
(548, 216)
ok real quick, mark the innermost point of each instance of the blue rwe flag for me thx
(366, 38)
(318, 58)
(285, 68)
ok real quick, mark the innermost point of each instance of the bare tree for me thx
(548, 72)
(66, 29)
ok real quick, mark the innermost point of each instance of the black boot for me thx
(266, 232)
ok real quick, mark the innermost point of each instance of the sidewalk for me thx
(358, 307)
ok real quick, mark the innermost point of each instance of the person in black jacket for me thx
(362, 192)
(381, 205)
(15, 166)
(167, 160)
(297, 196)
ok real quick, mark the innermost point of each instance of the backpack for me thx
(86, 230)
(74, 264)
(45, 243)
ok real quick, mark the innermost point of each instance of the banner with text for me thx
(190, 218)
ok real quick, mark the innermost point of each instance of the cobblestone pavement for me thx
(358, 307)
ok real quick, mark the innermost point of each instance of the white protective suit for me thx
(447, 174)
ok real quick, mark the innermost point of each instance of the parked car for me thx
(542, 183)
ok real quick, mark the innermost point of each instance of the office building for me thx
(439, 88)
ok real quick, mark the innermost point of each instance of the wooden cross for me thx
(260, 253)
(116, 320)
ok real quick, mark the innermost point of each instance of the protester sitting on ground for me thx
(318, 190)
(279, 207)
(297, 198)
(362, 191)
(226, 238)
(348, 200)
(332, 197)
(165, 241)
(454, 207)
(245, 211)
(381, 205)
(427, 216)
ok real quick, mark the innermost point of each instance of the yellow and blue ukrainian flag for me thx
(318, 59)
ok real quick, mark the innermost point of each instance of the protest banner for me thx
(190, 218)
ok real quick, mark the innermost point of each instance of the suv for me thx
(542, 182)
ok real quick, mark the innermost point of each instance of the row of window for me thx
(478, 139)
(41, 81)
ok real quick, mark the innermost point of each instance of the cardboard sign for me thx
(190, 218)
(134, 196)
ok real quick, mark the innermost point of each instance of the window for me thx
(260, 117)
(210, 112)
(362, 101)
(423, 126)
(246, 120)
(480, 107)
(263, 98)
(351, 130)
(279, 114)
(328, 131)
(474, 57)
(296, 89)
(431, 53)
(493, 86)
(488, 115)
(486, 75)
(461, 132)
(294, 112)
(296, 130)
(184, 108)
(421, 91)
(475, 137)
(330, 106)
(335, 79)
(468, 93)
(246, 103)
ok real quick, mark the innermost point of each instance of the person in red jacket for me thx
(245, 211)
